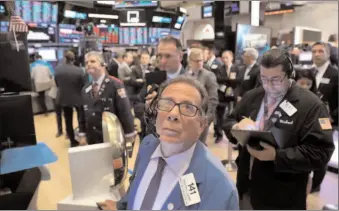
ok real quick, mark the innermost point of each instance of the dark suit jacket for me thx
(70, 80)
(112, 68)
(208, 80)
(251, 82)
(224, 79)
(329, 91)
(303, 146)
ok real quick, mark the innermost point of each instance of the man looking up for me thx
(164, 163)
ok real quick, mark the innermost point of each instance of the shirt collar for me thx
(177, 163)
(100, 80)
(211, 60)
(251, 65)
(323, 68)
(173, 75)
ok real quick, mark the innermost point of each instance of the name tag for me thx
(222, 88)
(288, 108)
(325, 81)
(88, 89)
(233, 75)
(247, 77)
(189, 189)
(286, 122)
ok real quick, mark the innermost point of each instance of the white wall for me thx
(323, 16)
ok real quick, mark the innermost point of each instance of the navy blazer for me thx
(216, 188)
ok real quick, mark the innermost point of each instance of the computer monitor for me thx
(17, 122)
(48, 54)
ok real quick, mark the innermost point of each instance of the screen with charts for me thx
(69, 34)
(155, 34)
(133, 35)
(109, 34)
(180, 21)
(4, 25)
(37, 11)
(175, 33)
(131, 4)
(41, 33)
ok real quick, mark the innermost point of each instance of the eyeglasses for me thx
(185, 109)
(274, 81)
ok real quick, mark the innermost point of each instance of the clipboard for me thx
(157, 77)
(253, 138)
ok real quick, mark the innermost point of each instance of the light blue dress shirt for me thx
(176, 166)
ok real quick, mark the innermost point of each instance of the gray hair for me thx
(189, 80)
(96, 54)
(253, 53)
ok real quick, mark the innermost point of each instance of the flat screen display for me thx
(175, 33)
(109, 34)
(133, 36)
(155, 34)
(41, 33)
(4, 25)
(69, 34)
(180, 21)
(207, 11)
(132, 18)
(48, 54)
(252, 37)
(131, 4)
(37, 11)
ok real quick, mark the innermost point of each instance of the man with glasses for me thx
(176, 171)
(208, 80)
(276, 178)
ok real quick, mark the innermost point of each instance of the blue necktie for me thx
(153, 188)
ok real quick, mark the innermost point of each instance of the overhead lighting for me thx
(93, 15)
(132, 24)
(103, 21)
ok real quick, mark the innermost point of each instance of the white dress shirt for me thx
(176, 166)
(99, 80)
(210, 61)
(248, 69)
(174, 75)
(321, 71)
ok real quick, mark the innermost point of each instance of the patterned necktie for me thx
(153, 188)
(95, 89)
(268, 110)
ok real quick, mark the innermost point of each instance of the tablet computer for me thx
(253, 138)
(157, 77)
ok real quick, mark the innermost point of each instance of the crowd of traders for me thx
(118, 85)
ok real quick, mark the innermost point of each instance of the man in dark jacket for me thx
(276, 177)
(70, 80)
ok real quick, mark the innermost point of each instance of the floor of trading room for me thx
(59, 186)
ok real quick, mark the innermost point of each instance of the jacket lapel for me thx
(198, 168)
(147, 151)
(326, 75)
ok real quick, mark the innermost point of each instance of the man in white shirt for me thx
(173, 169)
(252, 70)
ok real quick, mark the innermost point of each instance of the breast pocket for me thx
(284, 133)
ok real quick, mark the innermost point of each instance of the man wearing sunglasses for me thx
(276, 177)
(176, 171)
